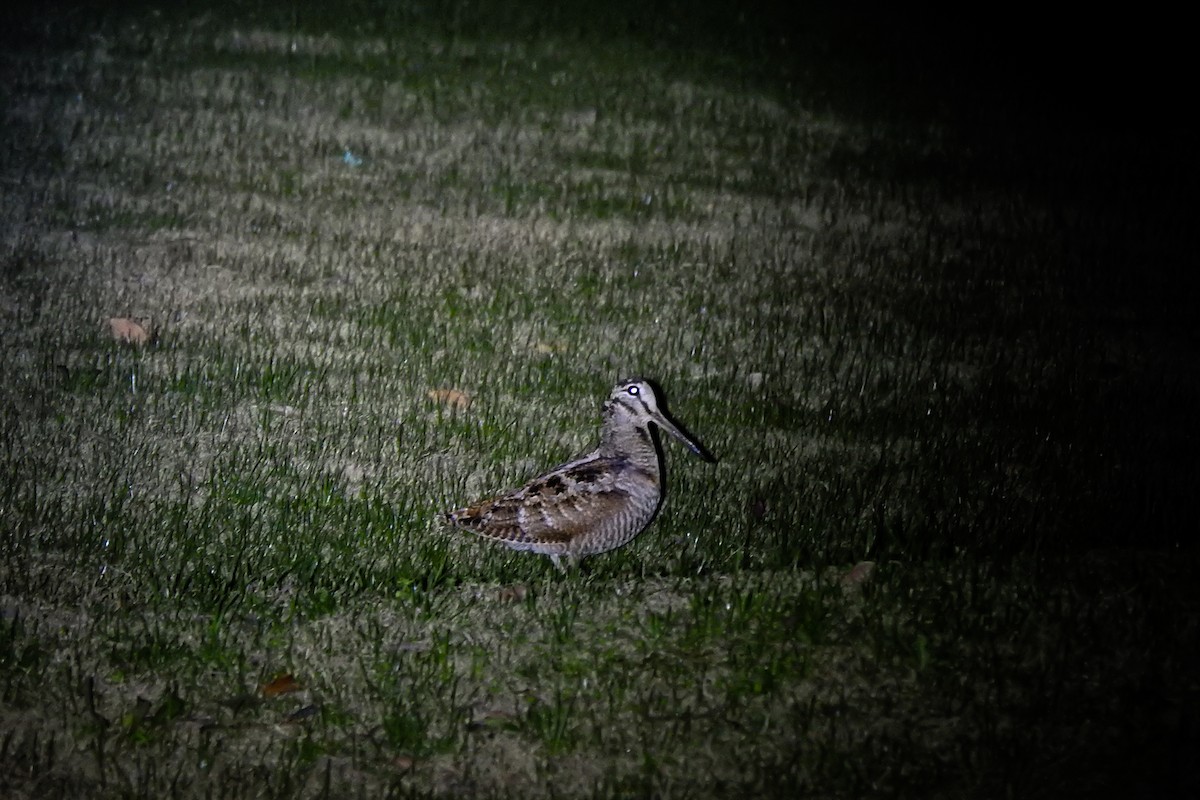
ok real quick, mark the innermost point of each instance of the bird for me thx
(599, 501)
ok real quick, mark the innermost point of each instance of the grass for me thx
(958, 350)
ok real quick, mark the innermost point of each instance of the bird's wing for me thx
(558, 506)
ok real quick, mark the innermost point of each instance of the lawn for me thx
(281, 285)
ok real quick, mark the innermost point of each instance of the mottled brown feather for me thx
(593, 504)
(561, 505)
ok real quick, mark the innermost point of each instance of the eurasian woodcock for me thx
(595, 503)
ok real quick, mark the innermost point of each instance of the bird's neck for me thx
(629, 441)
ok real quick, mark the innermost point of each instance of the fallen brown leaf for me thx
(129, 331)
(280, 684)
(513, 593)
(453, 398)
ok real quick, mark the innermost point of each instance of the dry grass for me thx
(907, 345)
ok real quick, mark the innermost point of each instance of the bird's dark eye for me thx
(633, 389)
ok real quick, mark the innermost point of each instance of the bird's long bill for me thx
(670, 427)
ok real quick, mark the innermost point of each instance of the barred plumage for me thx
(596, 503)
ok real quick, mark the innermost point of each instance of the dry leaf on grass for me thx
(452, 398)
(513, 593)
(280, 684)
(130, 331)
